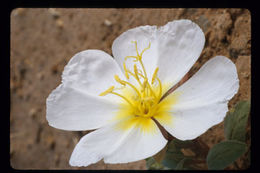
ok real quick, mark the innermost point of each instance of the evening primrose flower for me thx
(123, 98)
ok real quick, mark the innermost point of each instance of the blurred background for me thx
(44, 40)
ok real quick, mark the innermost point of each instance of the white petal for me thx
(193, 122)
(92, 72)
(202, 100)
(179, 46)
(116, 146)
(95, 145)
(138, 146)
(175, 47)
(123, 46)
(71, 109)
(216, 81)
(75, 104)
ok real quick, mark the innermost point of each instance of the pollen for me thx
(140, 101)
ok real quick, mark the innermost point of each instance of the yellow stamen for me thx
(145, 49)
(145, 102)
(144, 85)
(149, 86)
(109, 90)
(140, 73)
(136, 73)
(119, 80)
(160, 87)
(123, 98)
(155, 75)
(136, 77)
(132, 86)
(135, 57)
(136, 48)
(126, 71)
(122, 82)
(143, 68)
(147, 99)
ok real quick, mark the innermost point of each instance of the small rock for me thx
(50, 142)
(59, 23)
(107, 22)
(33, 112)
(54, 13)
(40, 75)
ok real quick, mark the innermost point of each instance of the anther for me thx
(119, 80)
(135, 57)
(126, 73)
(136, 71)
(123, 98)
(109, 90)
(145, 49)
(155, 75)
(122, 82)
(144, 84)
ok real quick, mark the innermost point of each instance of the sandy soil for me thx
(44, 40)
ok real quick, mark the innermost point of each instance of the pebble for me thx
(50, 142)
(32, 112)
(40, 75)
(107, 22)
(60, 23)
(54, 13)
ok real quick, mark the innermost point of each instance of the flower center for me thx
(144, 97)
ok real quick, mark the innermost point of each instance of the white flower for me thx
(121, 97)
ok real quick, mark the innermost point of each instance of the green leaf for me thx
(180, 165)
(236, 121)
(170, 161)
(160, 155)
(173, 155)
(224, 153)
(151, 164)
(182, 144)
(172, 147)
(169, 157)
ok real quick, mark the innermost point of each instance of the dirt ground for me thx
(44, 40)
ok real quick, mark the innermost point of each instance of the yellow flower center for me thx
(142, 102)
